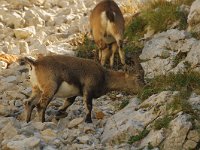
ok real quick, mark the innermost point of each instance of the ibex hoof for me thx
(88, 120)
(61, 114)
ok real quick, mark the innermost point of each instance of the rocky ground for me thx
(32, 27)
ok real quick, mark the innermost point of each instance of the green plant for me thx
(138, 137)
(189, 81)
(135, 30)
(150, 146)
(161, 15)
(87, 49)
(162, 122)
(179, 57)
(180, 102)
(123, 104)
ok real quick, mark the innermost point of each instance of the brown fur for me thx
(108, 39)
(90, 78)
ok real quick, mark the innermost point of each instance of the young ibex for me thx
(66, 76)
(107, 28)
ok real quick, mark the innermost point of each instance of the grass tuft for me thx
(123, 104)
(162, 122)
(175, 82)
(138, 137)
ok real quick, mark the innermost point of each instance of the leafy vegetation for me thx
(176, 82)
(162, 122)
(87, 49)
(138, 137)
(180, 103)
(135, 29)
(123, 104)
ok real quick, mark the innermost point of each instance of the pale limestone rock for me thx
(24, 144)
(159, 53)
(179, 129)
(193, 17)
(23, 47)
(13, 19)
(125, 123)
(154, 138)
(64, 49)
(157, 66)
(9, 79)
(23, 33)
(13, 49)
(154, 48)
(194, 101)
(3, 65)
(194, 136)
(6, 110)
(37, 47)
(187, 45)
(180, 68)
(161, 42)
(189, 144)
(83, 139)
(9, 131)
(38, 125)
(37, 2)
(19, 3)
(48, 135)
(75, 122)
(193, 56)
(63, 3)
(33, 19)
(43, 14)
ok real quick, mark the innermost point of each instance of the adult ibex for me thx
(69, 77)
(107, 28)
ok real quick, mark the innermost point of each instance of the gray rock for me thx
(23, 33)
(75, 122)
(193, 19)
(125, 123)
(179, 130)
(27, 143)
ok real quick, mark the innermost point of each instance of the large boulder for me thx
(170, 52)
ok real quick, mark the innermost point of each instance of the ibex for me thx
(107, 28)
(69, 77)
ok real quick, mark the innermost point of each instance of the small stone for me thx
(38, 125)
(48, 135)
(9, 79)
(88, 129)
(75, 122)
(28, 143)
(193, 135)
(23, 33)
(83, 139)
(100, 115)
(189, 144)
